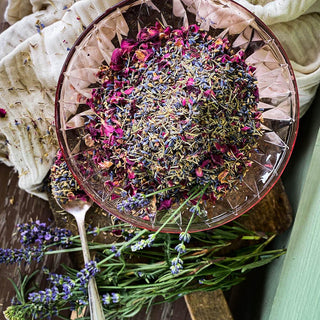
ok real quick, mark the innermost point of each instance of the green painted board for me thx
(298, 292)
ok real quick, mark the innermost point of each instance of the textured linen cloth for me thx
(34, 47)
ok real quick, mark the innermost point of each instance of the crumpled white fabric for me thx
(31, 59)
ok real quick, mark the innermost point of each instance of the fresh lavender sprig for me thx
(36, 232)
(89, 271)
(184, 237)
(28, 254)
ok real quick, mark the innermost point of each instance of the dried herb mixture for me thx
(176, 110)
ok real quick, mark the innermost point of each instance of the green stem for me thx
(101, 246)
(192, 196)
(162, 190)
(126, 244)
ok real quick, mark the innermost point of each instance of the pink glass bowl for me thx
(223, 18)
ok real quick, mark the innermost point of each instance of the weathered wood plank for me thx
(273, 214)
(208, 306)
(17, 206)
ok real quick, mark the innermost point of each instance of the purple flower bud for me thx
(180, 248)
(185, 237)
(89, 271)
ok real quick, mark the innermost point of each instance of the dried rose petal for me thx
(3, 113)
(143, 55)
(107, 129)
(223, 175)
(116, 63)
(131, 174)
(114, 196)
(146, 34)
(194, 28)
(245, 128)
(190, 82)
(127, 45)
(128, 91)
(199, 172)
(165, 204)
(105, 164)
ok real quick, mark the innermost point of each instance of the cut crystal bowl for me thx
(278, 100)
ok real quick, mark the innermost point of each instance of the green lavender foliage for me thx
(135, 280)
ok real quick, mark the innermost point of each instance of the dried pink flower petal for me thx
(127, 45)
(107, 129)
(165, 204)
(3, 113)
(199, 172)
(116, 63)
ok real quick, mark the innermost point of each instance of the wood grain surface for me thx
(17, 206)
(208, 306)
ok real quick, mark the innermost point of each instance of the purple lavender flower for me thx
(143, 243)
(124, 193)
(83, 302)
(39, 26)
(39, 233)
(14, 301)
(46, 296)
(10, 256)
(115, 297)
(127, 234)
(180, 248)
(176, 265)
(56, 279)
(89, 271)
(107, 298)
(95, 231)
(67, 290)
(185, 237)
(117, 253)
(195, 209)
(64, 283)
(140, 274)
(113, 248)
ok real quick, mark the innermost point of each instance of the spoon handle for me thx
(96, 311)
(95, 306)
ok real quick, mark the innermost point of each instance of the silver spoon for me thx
(78, 208)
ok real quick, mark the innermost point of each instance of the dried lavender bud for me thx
(64, 186)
